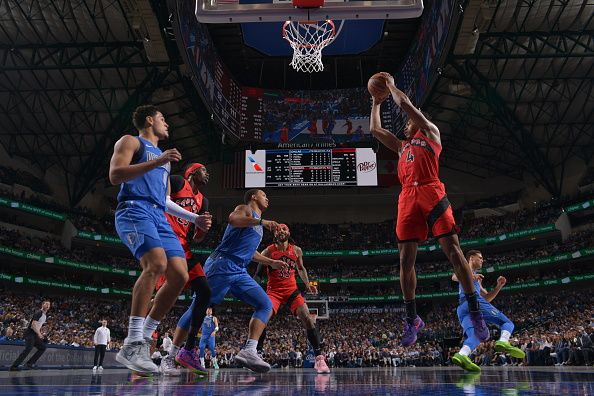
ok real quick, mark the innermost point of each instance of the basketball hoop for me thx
(308, 39)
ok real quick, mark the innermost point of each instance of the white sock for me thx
(214, 360)
(505, 336)
(465, 351)
(202, 362)
(134, 329)
(251, 345)
(150, 325)
(173, 350)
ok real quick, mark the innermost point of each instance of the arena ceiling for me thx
(514, 97)
(72, 72)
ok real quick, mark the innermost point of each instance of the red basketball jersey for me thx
(193, 203)
(282, 278)
(419, 161)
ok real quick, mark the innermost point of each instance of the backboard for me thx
(240, 11)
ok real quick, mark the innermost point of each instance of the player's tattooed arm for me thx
(302, 271)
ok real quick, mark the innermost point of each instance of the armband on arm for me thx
(175, 210)
(216, 329)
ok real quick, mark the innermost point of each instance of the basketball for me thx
(377, 86)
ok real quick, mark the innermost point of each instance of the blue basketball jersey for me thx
(477, 289)
(208, 326)
(240, 244)
(151, 186)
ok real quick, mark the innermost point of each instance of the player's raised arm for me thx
(490, 295)
(412, 112)
(121, 168)
(386, 137)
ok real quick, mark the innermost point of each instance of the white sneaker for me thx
(250, 359)
(94, 368)
(135, 356)
(100, 368)
(168, 366)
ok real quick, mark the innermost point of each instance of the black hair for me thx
(248, 195)
(140, 114)
(471, 253)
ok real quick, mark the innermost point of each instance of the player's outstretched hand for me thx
(311, 289)
(277, 264)
(501, 281)
(204, 221)
(270, 225)
(171, 155)
(389, 79)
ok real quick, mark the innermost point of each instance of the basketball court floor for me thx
(343, 382)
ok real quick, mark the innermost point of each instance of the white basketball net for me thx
(308, 39)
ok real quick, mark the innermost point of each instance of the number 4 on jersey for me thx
(410, 157)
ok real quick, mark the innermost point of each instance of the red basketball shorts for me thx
(280, 297)
(423, 208)
(195, 272)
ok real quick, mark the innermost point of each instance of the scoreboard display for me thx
(305, 167)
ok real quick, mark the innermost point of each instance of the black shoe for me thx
(14, 368)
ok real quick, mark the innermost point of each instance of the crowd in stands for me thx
(53, 247)
(338, 269)
(553, 328)
(334, 269)
(494, 201)
(347, 236)
(12, 176)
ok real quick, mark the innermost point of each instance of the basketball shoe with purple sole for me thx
(190, 360)
(409, 336)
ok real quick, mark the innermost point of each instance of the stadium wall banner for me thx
(580, 206)
(57, 356)
(119, 292)
(133, 273)
(370, 252)
(516, 286)
(32, 209)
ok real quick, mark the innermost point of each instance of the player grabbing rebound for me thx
(143, 171)
(282, 288)
(422, 206)
(210, 326)
(185, 191)
(226, 270)
(490, 313)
